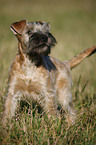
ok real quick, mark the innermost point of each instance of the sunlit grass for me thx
(29, 127)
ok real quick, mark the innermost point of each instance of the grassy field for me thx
(73, 23)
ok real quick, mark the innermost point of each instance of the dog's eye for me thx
(29, 32)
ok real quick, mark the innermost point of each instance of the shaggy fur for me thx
(38, 77)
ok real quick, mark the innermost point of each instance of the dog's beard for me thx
(40, 44)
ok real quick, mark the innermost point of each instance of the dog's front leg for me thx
(11, 101)
(51, 104)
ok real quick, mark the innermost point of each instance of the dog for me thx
(36, 76)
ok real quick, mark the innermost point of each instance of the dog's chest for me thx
(31, 73)
(30, 80)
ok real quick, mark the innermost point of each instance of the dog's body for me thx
(35, 75)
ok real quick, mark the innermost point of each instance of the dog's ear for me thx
(18, 27)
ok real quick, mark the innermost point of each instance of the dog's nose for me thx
(39, 38)
(43, 38)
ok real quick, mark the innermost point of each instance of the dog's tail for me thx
(79, 58)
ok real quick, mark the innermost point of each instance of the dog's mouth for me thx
(41, 49)
(40, 44)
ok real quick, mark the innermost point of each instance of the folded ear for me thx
(18, 27)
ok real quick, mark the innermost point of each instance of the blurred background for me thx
(73, 23)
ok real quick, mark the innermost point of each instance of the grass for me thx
(74, 26)
(28, 127)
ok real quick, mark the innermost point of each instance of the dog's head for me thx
(34, 37)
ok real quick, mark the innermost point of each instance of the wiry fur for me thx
(36, 76)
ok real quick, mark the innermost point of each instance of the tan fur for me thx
(48, 84)
(79, 58)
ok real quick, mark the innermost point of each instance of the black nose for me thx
(39, 38)
(43, 38)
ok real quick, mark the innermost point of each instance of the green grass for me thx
(29, 127)
(74, 26)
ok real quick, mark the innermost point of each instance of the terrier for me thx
(36, 76)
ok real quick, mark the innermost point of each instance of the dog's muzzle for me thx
(38, 39)
(40, 43)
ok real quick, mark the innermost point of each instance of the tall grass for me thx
(74, 26)
(31, 127)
